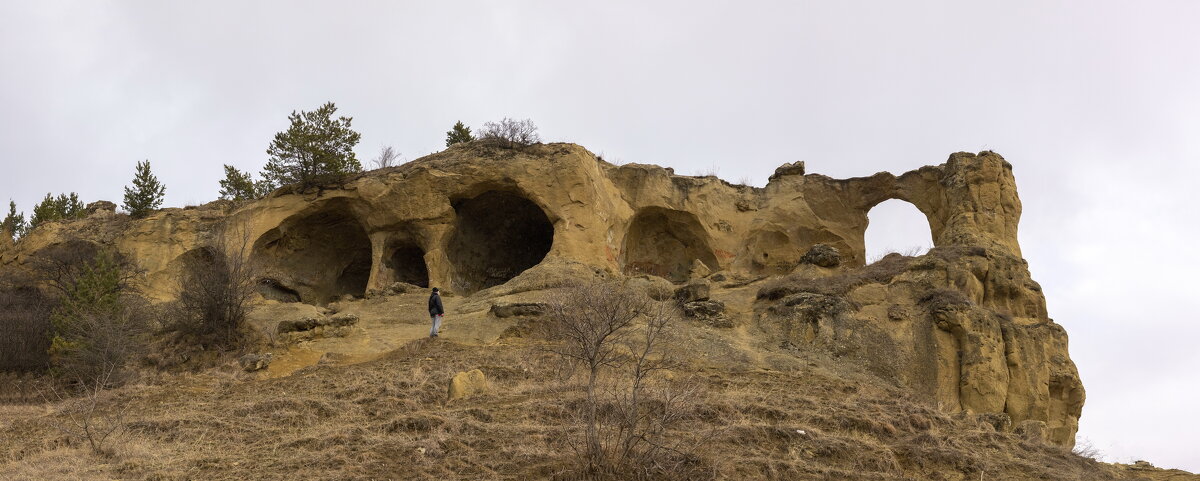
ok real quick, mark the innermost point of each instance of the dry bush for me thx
(627, 410)
(510, 131)
(86, 413)
(215, 289)
(840, 284)
(25, 324)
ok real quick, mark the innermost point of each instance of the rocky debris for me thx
(822, 255)
(397, 288)
(100, 208)
(255, 362)
(656, 287)
(699, 270)
(467, 384)
(1000, 422)
(698, 290)
(308, 328)
(712, 312)
(518, 309)
(794, 168)
(1032, 430)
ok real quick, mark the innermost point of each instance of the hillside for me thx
(798, 360)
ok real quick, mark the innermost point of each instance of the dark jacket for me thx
(435, 305)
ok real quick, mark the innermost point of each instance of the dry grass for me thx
(389, 419)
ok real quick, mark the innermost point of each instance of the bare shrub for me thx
(387, 157)
(511, 131)
(215, 290)
(628, 409)
(81, 415)
(25, 324)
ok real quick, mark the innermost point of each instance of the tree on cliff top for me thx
(459, 134)
(315, 149)
(14, 223)
(146, 193)
(55, 208)
(239, 186)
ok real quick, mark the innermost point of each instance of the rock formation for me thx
(965, 326)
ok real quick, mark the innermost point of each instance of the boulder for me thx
(467, 384)
(1032, 430)
(822, 255)
(697, 290)
(255, 362)
(794, 168)
(518, 309)
(712, 312)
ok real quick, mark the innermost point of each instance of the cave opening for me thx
(320, 257)
(896, 226)
(497, 235)
(665, 243)
(407, 262)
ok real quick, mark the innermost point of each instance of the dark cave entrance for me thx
(664, 243)
(497, 235)
(317, 257)
(407, 262)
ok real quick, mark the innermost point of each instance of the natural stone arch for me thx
(320, 255)
(898, 226)
(665, 243)
(497, 235)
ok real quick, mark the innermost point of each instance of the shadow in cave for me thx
(407, 262)
(319, 257)
(497, 235)
(664, 243)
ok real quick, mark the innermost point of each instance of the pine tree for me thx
(146, 193)
(55, 208)
(315, 149)
(14, 223)
(240, 186)
(88, 319)
(458, 134)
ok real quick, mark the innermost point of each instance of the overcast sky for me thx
(1096, 104)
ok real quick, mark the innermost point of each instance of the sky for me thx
(1096, 104)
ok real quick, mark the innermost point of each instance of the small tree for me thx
(513, 132)
(55, 208)
(14, 223)
(458, 134)
(95, 329)
(146, 193)
(215, 290)
(315, 149)
(240, 186)
(387, 157)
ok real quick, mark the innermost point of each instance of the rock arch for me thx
(320, 255)
(896, 225)
(665, 242)
(497, 235)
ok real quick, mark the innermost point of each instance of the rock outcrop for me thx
(965, 326)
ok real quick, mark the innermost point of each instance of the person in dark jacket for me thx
(435, 312)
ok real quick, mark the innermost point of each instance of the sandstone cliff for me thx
(965, 326)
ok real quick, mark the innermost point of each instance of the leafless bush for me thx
(513, 132)
(101, 342)
(25, 324)
(388, 157)
(628, 408)
(215, 290)
(81, 415)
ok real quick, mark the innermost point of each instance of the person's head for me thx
(435, 290)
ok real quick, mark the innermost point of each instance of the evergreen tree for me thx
(458, 134)
(55, 208)
(92, 302)
(146, 193)
(14, 223)
(240, 186)
(314, 150)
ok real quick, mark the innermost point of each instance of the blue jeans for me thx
(437, 324)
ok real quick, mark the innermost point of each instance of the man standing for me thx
(435, 312)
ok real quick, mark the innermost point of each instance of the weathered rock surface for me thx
(486, 221)
(467, 384)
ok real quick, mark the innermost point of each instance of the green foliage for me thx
(55, 208)
(13, 224)
(314, 150)
(94, 295)
(146, 193)
(240, 186)
(459, 134)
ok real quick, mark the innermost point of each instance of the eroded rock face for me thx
(475, 216)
